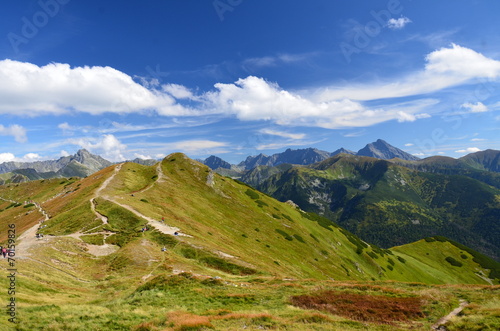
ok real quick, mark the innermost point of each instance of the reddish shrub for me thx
(368, 308)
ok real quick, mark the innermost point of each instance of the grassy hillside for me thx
(389, 205)
(241, 259)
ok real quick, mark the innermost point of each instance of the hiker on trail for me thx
(4, 252)
(164, 249)
(176, 233)
(163, 219)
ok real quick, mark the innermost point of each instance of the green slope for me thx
(225, 222)
(392, 205)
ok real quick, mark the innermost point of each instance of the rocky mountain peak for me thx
(381, 149)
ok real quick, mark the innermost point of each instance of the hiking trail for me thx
(440, 324)
(97, 194)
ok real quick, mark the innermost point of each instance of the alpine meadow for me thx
(177, 246)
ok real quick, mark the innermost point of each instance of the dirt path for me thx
(26, 241)
(108, 180)
(160, 179)
(440, 324)
(103, 218)
(154, 223)
(97, 194)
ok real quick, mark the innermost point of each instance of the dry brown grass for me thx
(181, 321)
(362, 307)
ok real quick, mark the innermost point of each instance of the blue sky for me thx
(233, 78)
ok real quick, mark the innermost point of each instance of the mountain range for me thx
(82, 164)
(389, 204)
(379, 149)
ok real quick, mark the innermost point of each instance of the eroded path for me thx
(151, 221)
(103, 218)
(440, 324)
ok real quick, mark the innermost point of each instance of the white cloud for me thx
(399, 23)
(141, 156)
(29, 157)
(478, 139)
(475, 108)
(294, 136)
(197, 146)
(468, 150)
(409, 145)
(444, 68)
(271, 61)
(355, 134)
(17, 131)
(253, 98)
(64, 153)
(29, 90)
(107, 146)
(178, 91)
(7, 157)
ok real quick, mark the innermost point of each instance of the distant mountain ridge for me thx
(379, 149)
(81, 164)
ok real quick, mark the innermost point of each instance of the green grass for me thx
(93, 239)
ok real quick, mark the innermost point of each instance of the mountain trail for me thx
(108, 180)
(105, 184)
(26, 241)
(160, 179)
(154, 223)
(440, 324)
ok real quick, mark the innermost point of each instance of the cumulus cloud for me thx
(108, 146)
(254, 98)
(7, 157)
(31, 90)
(398, 23)
(475, 108)
(29, 157)
(468, 150)
(445, 67)
(28, 89)
(16, 131)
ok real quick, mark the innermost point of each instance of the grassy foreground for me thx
(187, 302)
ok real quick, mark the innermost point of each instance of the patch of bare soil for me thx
(102, 250)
